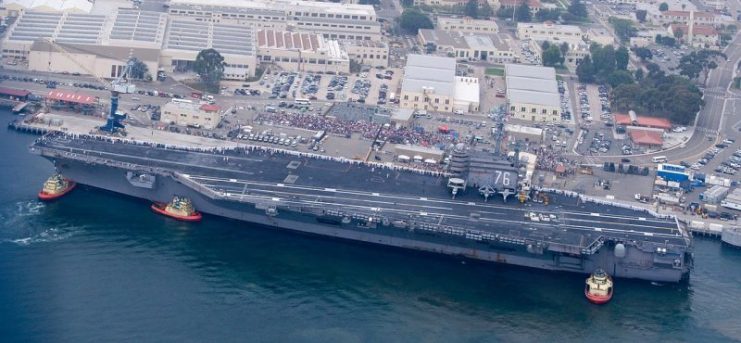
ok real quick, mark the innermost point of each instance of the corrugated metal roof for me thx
(429, 72)
(517, 96)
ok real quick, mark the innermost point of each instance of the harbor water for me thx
(96, 267)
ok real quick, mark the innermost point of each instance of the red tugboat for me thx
(598, 289)
(179, 208)
(56, 187)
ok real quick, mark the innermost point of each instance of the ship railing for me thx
(245, 149)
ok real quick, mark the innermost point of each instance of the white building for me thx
(430, 84)
(532, 93)
(331, 20)
(550, 32)
(295, 51)
(16, 7)
(467, 25)
(188, 113)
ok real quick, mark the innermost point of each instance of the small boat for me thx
(179, 208)
(56, 187)
(598, 289)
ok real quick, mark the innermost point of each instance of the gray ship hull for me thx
(625, 259)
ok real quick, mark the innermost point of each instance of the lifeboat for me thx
(56, 187)
(180, 208)
(598, 289)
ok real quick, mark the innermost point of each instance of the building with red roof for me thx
(646, 137)
(72, 97)
(641, 121)
(703, 36)
(14, 93)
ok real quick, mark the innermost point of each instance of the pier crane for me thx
(119, 85)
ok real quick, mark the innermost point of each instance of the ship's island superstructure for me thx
(475, 209)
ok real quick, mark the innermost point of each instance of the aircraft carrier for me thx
(474, 209)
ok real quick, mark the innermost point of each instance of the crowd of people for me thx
(366, 129)
(549, 159)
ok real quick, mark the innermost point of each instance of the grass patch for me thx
(495, 71)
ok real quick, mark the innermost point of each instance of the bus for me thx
(302, 102)
(659, 159)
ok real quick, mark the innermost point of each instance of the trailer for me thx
(733, 200)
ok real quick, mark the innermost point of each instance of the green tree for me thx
(619, 77)
(472, 9)
(678, 34)
(639, 74)
(209, 65)
(578, 9)
(548, 15)
(552, 56)
(699, 63)
(623, 28)
(641, 15)
(139, 70)
(643, 53)
(621, 58)
(663, 7)
(585, 70)
(603, 59)
(564, 49)
(666, 40)
(412, 20)
(673, 97)
(522, 13)
(505, 12)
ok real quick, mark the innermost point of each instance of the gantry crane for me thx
(117, 86)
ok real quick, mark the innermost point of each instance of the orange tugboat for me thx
(599, 287)
(56, 187)
(179, 208)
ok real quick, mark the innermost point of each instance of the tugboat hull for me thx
(43, 196)
(161, 208)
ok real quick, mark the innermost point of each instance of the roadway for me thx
(720, 104)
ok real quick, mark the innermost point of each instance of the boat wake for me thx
(19, 225)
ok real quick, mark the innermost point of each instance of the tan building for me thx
(600, 36)
(188, 113)
(468, 47)
(467, 25)
(532, 93)
(550, 32)
(371, 53)
(702, 36)
(430, 84)
(104, 61)
(684, 17)
(295, 51)
(331, 20)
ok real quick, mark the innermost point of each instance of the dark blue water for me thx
(99, 267)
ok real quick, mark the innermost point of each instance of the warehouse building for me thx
(295, 51)
(469, 47)
(331, 20)
(430, 83)
(532, 93)
(16, 7)
(188, 113)
(186, 38)
(366, 52)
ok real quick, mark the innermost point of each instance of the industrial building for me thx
(430, 83)
(16, 7)
(522, 133)
(189, 113)
(532, 93)
(469, 47)
(551, 32)
(467, 25)
(331, 20)
(186, 38)
(301, 52)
